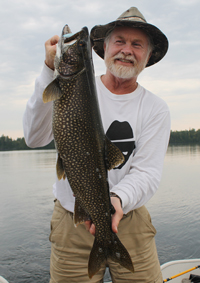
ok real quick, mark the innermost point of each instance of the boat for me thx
(3, 280)
(181, 271)
(177, 271)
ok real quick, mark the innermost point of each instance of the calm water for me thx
(26, 179)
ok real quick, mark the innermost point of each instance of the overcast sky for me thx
(27, 24)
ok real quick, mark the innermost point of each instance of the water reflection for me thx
(183, 150)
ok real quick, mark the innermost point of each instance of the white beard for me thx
(124, 72)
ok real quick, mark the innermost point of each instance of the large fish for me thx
(84, 152)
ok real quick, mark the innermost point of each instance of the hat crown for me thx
(132, 14)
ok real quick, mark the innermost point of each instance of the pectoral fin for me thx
(114, 156)
(52, 91)
(60, 168)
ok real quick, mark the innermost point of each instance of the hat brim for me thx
(160, 41)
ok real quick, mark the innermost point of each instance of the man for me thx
(135, 120)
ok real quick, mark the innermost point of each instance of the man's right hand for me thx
(116, 217)
(50, 48)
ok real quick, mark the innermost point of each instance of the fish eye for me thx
(82, 43)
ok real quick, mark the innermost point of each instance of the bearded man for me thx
(138, 122)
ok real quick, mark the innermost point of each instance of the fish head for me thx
(71, 48)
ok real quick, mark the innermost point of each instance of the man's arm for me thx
(37, 122)
(142, 181)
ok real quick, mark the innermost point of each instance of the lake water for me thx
(26, 179)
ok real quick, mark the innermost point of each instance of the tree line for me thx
(7, 143)
(185, 137)
(176, 137)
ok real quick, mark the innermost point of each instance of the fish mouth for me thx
(70, 38)
(67, 34)
(69, 54)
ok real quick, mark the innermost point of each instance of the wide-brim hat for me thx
(131, 18)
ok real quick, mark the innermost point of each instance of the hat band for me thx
(138, 19)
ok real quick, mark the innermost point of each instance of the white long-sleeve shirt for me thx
(138, 122)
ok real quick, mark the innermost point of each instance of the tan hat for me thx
(132, 18)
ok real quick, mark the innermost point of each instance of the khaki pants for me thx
(71, 248)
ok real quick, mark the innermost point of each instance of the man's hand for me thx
(50, 48)
(116, 217)
(90, 227)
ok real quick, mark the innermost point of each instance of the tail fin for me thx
(114, 250)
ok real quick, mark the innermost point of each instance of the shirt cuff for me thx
(124, 198)
(47, 75)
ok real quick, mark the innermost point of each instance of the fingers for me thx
(117, 216)
(54, 40)
(88, 224)
(90, 227)
(50, 49)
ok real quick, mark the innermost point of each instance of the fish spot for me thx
(100, 250)
(118, 255)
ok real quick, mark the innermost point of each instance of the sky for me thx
(26, 24)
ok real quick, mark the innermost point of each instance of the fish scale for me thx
(84, 152)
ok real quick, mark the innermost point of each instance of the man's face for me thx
(126, 52)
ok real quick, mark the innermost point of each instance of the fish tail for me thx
(119, 254)
(97, 258)
(114, 250)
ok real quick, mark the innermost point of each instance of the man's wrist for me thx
(116, 196)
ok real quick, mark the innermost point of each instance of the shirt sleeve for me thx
(143, 178)
(37, 119)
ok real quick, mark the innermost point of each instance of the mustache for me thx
(129, 58)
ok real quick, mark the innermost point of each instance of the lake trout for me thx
(84, 152)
